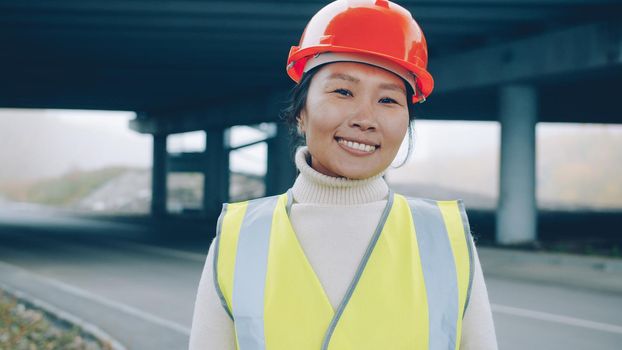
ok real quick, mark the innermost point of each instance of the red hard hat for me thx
(379, 28)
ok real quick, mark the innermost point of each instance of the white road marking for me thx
(567, 320)
(168, 252)
(101, 300)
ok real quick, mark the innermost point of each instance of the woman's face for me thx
(354, 119)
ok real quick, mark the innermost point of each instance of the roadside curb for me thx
(131, 326)
(59, 315)
(596, 263)
(586, 272)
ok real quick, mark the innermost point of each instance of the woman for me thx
(339, 261)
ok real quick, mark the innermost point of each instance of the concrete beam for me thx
(586, 99)
(283, 9)
(186, 162)
(252, 110)
(249, 144)
(194, 161)
(525, 3)
(554, 54)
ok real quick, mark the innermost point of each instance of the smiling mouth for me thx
(357, 146)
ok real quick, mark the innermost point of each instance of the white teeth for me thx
(358, 146)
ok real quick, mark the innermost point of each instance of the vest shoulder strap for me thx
(454, 231)
(230, 224)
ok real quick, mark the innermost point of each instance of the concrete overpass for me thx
(202, 65)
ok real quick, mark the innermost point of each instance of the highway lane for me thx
(560, 318)
(161, 284)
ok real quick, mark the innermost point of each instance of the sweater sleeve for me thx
(212, 329)
(478, 329)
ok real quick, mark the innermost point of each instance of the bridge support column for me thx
(215, 171)
(281, 171)
(517, 210)
(158, 175)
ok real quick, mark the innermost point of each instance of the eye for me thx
(343, 92)
(387, 100)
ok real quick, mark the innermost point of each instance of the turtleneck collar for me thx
(313, 187)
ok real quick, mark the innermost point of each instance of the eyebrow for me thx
(391, 86)
(343, 76)
(387, 86)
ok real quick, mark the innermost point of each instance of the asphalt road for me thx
(143, 294)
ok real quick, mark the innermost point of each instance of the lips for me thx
(358, 145)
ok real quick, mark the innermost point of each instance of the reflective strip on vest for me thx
(410, 290)
(439, 239)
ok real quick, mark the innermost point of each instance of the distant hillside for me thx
(129, 192)
(121, 190)
(62, 191)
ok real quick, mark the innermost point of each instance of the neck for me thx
(313, 187)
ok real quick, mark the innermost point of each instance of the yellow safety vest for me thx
(410, 290)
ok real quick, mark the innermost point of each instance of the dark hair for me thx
(298, 98)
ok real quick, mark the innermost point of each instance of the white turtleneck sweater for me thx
(334, 220)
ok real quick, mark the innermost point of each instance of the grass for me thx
(22, 328)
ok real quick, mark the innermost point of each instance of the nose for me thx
(364, 117)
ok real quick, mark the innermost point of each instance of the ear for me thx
(302, 117)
